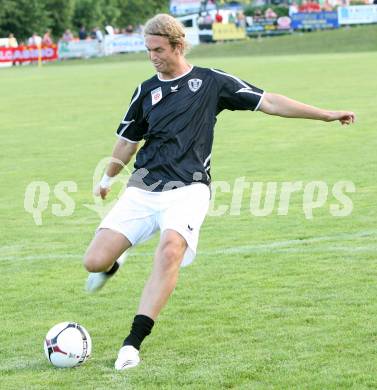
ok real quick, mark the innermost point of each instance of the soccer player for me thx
(174, 112)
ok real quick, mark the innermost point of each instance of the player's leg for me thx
(160, 285)
(104, 256)
(164, 276)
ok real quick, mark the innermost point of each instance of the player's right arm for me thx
(130, 132)
(121, 156)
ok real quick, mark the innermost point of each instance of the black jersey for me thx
(176, 119)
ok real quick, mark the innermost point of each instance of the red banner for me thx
(28, 53)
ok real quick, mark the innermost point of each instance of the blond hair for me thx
(165, 25)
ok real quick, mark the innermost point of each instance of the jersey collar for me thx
(176, 78)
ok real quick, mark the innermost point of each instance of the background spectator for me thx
(67, 36)
(270, 14)
(293, 8)
(231, 18)
(309, 6)
(83, 34)
(208, 19)
(326, 6)
(218, 17)
(130, 29)
(47, 40)
(240, 19)
(257, 14)
(99, 34)
(109, 30)
(12, 41)
(34, 40)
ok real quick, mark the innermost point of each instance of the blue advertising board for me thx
(314, 20)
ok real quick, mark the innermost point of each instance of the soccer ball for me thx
(67, 344)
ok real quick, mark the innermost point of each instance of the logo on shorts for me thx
(156, 95)
(194, 84)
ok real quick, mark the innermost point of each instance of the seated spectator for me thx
(47, 40)
(12, 41)
(270, 14)
(67, 36)
(130, 29)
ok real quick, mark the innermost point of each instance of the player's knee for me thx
(94, 263)
(171, 256)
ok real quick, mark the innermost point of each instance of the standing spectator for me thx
(34, 40)
(83, 34)
(47, 40)
(67, 36)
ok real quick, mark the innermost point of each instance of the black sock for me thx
(113, 269)
(141, 328)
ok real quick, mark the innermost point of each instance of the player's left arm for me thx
(274, 104)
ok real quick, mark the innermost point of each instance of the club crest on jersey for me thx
(156, 95)
(194, 84)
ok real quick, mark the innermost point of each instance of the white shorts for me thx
(138, 214)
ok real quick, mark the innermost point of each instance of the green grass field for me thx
(275, 302)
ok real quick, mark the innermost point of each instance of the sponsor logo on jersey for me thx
(156, 95)
(194, 84)
(174, 89)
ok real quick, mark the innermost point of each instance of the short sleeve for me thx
(133, 126)
(236, 94)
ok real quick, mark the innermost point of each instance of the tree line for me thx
(23, 17)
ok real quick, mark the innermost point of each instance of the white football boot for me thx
(128, 357)
(96, 280)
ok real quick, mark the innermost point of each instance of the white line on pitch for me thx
(276, 246)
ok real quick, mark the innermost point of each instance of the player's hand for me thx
(344, 117)
(102, 191)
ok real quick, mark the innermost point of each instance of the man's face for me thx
(163, 57)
